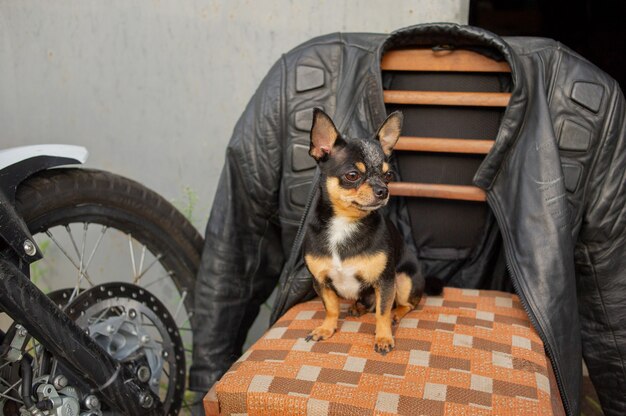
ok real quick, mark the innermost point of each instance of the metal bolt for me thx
(132, 314)
(145, 339)
(29, 248)
(59, 382)
(92, 402)
(165, 354)
(145, 400)
(21, 331)
(110, 329)
(143, 373)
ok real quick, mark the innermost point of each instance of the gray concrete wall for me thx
(154, 88)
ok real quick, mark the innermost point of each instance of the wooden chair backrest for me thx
(428, 60)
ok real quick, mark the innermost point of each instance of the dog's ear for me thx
(389, 132)
(323, 135)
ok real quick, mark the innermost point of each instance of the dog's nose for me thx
(381, 192)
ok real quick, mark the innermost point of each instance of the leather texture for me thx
(555, 182)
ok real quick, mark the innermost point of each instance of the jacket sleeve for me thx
(601, 265)
(242, 256)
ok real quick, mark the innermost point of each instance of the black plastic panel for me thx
(574, 137)
(588, 94)
(308, 78)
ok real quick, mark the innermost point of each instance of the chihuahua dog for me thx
(351, 249)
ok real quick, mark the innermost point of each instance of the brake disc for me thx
(134, 327)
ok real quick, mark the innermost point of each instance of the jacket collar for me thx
(454, 36)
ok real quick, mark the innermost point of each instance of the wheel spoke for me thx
(143, 256)
(12, 387)
(5, 382)
(80, 253)
(82, 248)
(54, 367)
(180, 304)
(140, 275)
(95, 247)
(71, 260)
(160, 279)
(84, 274)
(189, 316)
(132, 255)
(99, 317)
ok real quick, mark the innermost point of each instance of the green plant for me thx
(188, 204)
(39, 268)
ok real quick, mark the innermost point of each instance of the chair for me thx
(467, 351)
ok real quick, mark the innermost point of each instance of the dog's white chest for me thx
(342, 275)
(340, 231)
(344, 279)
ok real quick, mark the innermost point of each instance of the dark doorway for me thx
(593, 28)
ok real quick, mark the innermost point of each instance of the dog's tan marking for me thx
(318, 266)
(360, 166)
(342, 199)
(404, 285)
(384, 342)
(329, 326)
(385, 167)
(367, 267)
(365, 194)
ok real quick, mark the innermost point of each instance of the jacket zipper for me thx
(297, 243)
(511, 267)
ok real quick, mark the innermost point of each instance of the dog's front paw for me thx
(320, 333)
(383, 345)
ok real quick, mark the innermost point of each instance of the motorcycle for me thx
(97, 275)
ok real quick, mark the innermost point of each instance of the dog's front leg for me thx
(385, 292)
(329, 326)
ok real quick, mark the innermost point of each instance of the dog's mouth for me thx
(370, 207)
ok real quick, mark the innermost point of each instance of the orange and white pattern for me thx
(468, 352)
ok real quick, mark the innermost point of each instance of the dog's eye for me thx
(388, 176)
(353, 176)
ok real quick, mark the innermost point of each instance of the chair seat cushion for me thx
(465, 352)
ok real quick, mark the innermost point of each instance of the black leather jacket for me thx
(555, 182)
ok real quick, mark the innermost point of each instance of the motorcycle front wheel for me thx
(122, 261)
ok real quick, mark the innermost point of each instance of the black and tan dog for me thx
(351, 249)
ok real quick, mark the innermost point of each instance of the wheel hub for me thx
(135, 328)
(125, 338)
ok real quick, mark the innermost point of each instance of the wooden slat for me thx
(211, 403)
(476, 99)
(434, 144)
(429, 60)
(424, 190)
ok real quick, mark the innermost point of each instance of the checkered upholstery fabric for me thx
(467, 352)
